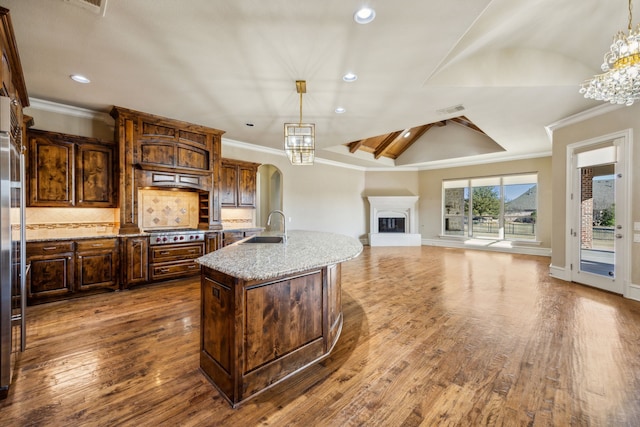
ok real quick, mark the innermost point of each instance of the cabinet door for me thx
(136, 260)
(51, 274)
(95, 181)
(213, 241)
(247, 187)
(51, 172)
(96, 263)
(229, 186)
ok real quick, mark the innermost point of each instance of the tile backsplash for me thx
(167, 209)
(234, 217)
(52, 218)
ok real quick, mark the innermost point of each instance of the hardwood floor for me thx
(431, 336)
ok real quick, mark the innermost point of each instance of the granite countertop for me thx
(80, 233)
(303, 250)
(70, 234)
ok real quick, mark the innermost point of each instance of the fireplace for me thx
(393, 221)
(391, 225)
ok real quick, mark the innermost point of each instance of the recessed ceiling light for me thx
(349, 77)
(364, 15)
(79, 78)
(340, 110)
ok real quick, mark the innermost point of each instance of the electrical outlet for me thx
(636, 238)
(636, 226)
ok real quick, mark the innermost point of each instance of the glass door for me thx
(597, 229)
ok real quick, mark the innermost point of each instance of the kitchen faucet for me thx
(284, 222)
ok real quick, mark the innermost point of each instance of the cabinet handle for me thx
(191, 267)
(164, 252)
(49, 248)
(192, 251)
(97, 245)
(164, 270)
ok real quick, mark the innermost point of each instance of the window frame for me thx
(501, 183)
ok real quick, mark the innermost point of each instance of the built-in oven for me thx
(172, 253)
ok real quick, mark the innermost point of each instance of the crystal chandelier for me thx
(299, 138)
(620, 82)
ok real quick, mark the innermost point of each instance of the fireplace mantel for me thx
(394, 207)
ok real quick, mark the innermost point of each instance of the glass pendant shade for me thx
(299, 142)
(300, 138)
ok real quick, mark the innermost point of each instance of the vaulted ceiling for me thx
(514, 67)
(393, 144)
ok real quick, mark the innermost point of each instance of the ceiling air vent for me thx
(98, 7)
(451, 110)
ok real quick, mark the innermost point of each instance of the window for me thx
(501, 207)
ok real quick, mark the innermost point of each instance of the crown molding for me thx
(581, 116)
(68, 110)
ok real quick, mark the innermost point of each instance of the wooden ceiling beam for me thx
(355, 145)
(462, 120)
(390, 139)
(417, 134)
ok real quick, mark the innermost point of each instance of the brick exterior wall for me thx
(586, 200)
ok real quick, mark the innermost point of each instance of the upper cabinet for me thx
(238, 184)
(66, 170)
(161, 152)
(12, 77)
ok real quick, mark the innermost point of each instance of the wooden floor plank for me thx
(431, 336)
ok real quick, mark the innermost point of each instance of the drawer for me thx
(176, 252)
(176, 269)
(89, 245)
(48, 248)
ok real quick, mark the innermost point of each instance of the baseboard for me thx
(633, 292)
(502, 246)
(559, 273)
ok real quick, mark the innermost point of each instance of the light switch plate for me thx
(636, 226)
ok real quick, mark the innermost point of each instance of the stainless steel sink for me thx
(265, 239)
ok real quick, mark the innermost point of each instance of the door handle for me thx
(618, 236)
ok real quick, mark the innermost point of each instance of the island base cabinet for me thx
(255, 334)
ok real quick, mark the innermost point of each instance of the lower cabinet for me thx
(97, 264)
(171, 261)
(213, 241)
(51, 271)
(135, 260)
(232, 236)
(65, 269)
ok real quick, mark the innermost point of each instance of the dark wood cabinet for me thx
(238, 184)
(51, 272)
(213, 241)
(51, 171)
(232, 236)
(247, 186)
(66, 269)
(97, 264)
(229, 185)
(94, 175)
(159, 152)
(67, 170)
(244, 357)
(172, 261)
(134, 258)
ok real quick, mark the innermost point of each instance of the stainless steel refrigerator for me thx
(12, 246)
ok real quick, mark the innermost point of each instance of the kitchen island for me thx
(269, 310)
